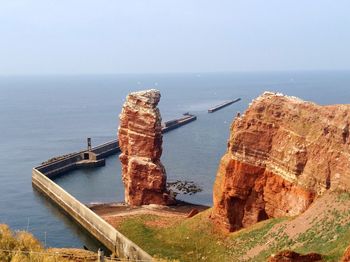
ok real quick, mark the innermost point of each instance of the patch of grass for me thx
(328, 236)
(343, 196)
(196, 239)
(193, 239)
(255, 235)
(190, 240)
(14, 244)
(21, 246)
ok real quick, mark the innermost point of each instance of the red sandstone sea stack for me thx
(282, 154)
(140, 140)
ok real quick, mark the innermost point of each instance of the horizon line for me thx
(176, 73)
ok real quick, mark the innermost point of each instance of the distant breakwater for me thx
(224, 104)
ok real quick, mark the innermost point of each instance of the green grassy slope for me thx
(196, 239)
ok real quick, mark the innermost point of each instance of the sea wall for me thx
(106, 149)
(60, 166)
(171, 125)
(99, 228)
(71, 162)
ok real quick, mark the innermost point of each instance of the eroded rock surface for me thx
(290, 256)
(346, 256)
(140, 140)
(282, 153)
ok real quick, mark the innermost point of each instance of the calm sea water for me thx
(42, 117)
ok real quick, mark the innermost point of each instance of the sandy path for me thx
(114, 213)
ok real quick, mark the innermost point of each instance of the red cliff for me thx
(346, 256)
(140, 140)
(282, 153)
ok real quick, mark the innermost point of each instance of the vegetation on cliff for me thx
(324, 228)
(21, 246)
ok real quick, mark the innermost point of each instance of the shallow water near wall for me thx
(46, 116)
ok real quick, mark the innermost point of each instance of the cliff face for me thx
(346, 256)
(140, 140)
(282, 153)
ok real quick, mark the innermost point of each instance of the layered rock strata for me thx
(140, 141)
(282, 153)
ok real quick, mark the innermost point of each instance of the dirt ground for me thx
(114, 213)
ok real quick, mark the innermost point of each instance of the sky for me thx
(169, 36)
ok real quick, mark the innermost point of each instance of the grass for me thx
(329, 235)
(246, 239)
(193, 239)
(21, 246)
(343, 196)
(196, 239)
(17, 243)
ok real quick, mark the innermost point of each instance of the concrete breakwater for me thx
(85, 158)
(92, 157)
(173, 124)
(95, 157)
(227, 103)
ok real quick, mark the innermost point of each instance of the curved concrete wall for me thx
(104, 232)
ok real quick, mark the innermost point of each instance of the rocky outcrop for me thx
(290, 256)
(140, 141)
(282, 153)
(346, 255)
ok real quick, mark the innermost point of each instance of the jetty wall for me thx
(106, 149)
(99, 228)
(62, 165)
(227, 103)
(70, 162)
(171, 125)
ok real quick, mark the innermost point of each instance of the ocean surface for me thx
(45, 116)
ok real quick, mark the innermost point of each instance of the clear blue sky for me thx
(151, 36)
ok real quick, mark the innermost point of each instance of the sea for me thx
(46, 116)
